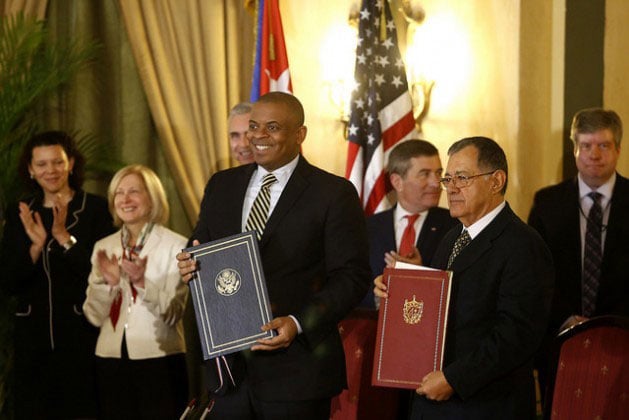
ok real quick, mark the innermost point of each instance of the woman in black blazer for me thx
(46, 248)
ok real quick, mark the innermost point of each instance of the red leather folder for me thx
(411, 326)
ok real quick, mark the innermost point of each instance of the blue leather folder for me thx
(229, 294)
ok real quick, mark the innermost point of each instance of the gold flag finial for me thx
(271, 37)
(383, 25)
(250, 6)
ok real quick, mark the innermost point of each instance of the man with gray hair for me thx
(237, 126)
(415, 224)
(501, 283)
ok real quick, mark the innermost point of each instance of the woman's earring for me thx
(32, 176)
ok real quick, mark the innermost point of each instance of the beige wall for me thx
(308, 26)
(616, 84)
(498, 71)
(538, 154)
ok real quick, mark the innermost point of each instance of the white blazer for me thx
(152, 325)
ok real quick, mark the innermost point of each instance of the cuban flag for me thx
(270, 72)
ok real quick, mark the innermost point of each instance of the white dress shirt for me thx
(400, 223)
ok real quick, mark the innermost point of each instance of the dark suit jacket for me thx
(498, 313)
(381, 232)
(315, 257)
(555, 215)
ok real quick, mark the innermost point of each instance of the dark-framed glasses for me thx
(460, 181)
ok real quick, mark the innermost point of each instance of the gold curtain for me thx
(183, 52)
(35, 8)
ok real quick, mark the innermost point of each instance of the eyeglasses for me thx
(460, 181)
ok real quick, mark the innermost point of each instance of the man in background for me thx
(584, 222)
(411, 229)
(415, 222)
(500, 297)
(237, 125)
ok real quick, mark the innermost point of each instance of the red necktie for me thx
(408, 237)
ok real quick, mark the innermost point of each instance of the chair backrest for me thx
(592, 371)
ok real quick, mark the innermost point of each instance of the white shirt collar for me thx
(282, 173)
(400, 213)
(477, 227)
(606, 189)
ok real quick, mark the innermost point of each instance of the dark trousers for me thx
(242, 404)
(142, 389)
(52, 384)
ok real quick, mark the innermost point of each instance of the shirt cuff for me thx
(299, 330)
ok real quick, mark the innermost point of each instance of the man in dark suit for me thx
(500, 298)
(415, 223)
(560, 213)
(414, 170)
(315, 258)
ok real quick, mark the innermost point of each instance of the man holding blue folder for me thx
(314, 251)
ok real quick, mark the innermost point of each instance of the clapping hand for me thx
(109, 267)
(59, 216)
(34, 228)
(135, 270)
(391, 257)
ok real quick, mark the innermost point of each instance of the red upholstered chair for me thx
(361, 401)
(592, 371)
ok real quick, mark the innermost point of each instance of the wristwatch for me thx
(71, 242)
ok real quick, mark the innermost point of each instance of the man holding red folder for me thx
(501, 289)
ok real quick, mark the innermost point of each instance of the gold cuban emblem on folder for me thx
(413, 311)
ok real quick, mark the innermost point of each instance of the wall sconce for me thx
(340, 94)
(413, 12)
(421, 90)
(339, 47)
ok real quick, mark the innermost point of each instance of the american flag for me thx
(381, 111)
(270, 71)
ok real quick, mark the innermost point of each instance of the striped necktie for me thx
(259, 212)
(592, 255)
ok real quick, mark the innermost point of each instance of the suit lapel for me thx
(387, 230)
(239, 189)
(573, 221)
(482, 243)
(617, 215)
(292, 191)
(427, 234)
